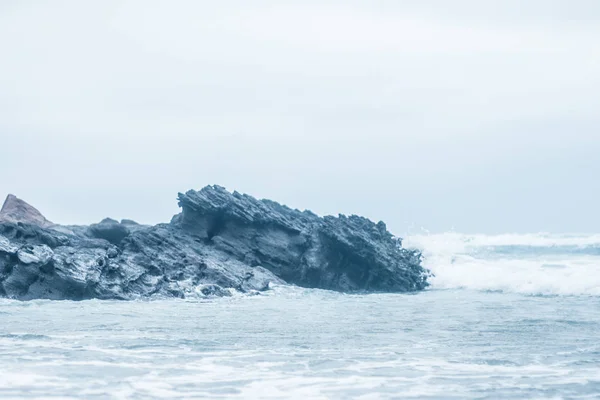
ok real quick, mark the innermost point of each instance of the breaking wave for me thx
(538, 264)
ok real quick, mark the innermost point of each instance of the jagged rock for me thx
(16, 210)
(220, 242)
(343, 253)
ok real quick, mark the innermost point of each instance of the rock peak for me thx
(16, 210)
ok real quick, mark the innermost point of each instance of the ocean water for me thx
(509, 316)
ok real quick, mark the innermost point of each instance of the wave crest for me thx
(522, 263)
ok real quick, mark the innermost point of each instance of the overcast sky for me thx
(477, 116)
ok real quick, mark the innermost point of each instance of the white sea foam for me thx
(526, 263)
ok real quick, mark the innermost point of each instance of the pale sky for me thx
(472, 115)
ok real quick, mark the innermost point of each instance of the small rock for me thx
(212, 291)
(112, 252)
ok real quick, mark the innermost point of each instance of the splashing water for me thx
(531, 264)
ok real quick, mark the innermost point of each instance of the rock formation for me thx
(16, 210)
(220, 242)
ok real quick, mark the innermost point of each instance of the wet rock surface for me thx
(220, 243)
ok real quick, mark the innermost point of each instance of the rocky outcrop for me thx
(220, 243)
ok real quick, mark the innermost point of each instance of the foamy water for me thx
(512, 316)
(529, 264)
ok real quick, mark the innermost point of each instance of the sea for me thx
(506, 317)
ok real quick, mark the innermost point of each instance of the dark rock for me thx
(343, 253)
(221, 242)
(109, 230)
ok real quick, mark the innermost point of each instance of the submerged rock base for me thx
(221, 242)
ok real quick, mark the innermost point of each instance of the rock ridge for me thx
(220, 243)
